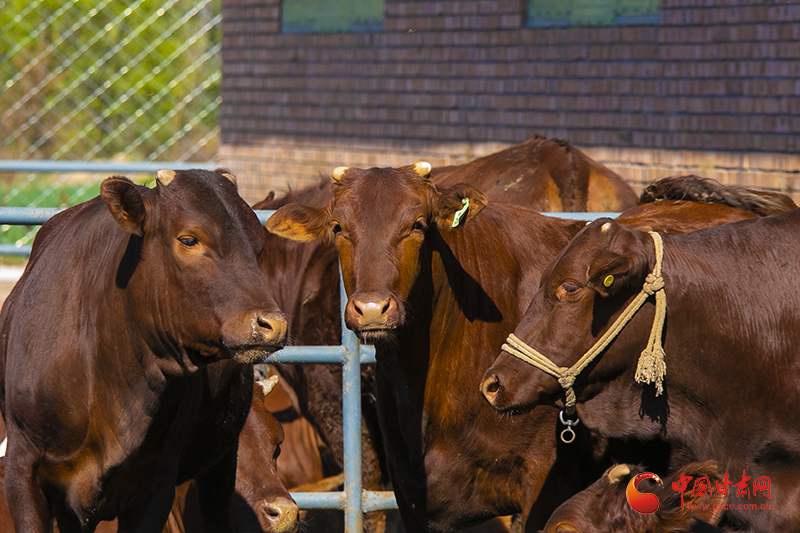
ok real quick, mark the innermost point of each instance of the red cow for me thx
(437, 298)
(604, 507)
(717, 378)
(109, 400)
(545, 175)
(261, 503)
(304, 281)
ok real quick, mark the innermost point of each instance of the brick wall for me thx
(714, 88)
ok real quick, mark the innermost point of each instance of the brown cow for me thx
(726, 388)
(545, 175)
(261, 503)
(109, 400)
(693, 188)
(604, 507)
(437, 299)
(673, 205)
(305, 284)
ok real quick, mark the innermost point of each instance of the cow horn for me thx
(267, 384)
(617, 473)
(165, 176)
(422, 168)
(231, 177)
(338, 172)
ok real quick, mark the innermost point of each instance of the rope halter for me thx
(651, 367)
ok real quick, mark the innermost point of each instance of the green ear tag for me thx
(608, 281)
(460, 213)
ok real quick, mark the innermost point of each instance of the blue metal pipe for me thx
(319, 500)
(582, 216)
(371, 500)
(351, 389)
(110, 167)
(378, 501)
(13, 249)
(27, 216)
(319, 354)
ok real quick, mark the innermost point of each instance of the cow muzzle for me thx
(372, 315)
(490, 388)
(269, 329)
(254, 335)
(280, 515)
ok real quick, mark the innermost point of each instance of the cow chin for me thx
(252, 356)
(377, 336)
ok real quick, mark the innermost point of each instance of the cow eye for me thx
(337, 229)
(189, 242)
(419, 225)
(569, 287)
(277, 452)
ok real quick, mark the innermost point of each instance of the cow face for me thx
(190, 268)
(603, 507)
(588, 285)
(257, 480)
(379, 220)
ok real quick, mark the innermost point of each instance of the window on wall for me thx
(309, 16)
(543, 13)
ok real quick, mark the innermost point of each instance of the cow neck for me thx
(437, 355)
(651, 367)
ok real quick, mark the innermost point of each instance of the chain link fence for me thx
(102, 80)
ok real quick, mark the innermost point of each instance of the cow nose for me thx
(490, 387)
(371, 310)
(271, 327)
(281, 514)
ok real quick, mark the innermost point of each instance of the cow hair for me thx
(706, 190)
(670, 518)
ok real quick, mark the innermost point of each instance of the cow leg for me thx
(26, 500)
(215, 488)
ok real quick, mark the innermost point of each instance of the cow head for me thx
(604, 508)
(587, 286)
(379, 220)
(190, 266)
(257, 480)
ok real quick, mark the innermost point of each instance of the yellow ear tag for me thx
(608, 281)
(461, 212)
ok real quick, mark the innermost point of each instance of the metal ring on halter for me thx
(568, 435)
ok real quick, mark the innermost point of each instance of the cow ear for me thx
(610, 272)
(125, 203)
(299, 223)
(457, 205)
